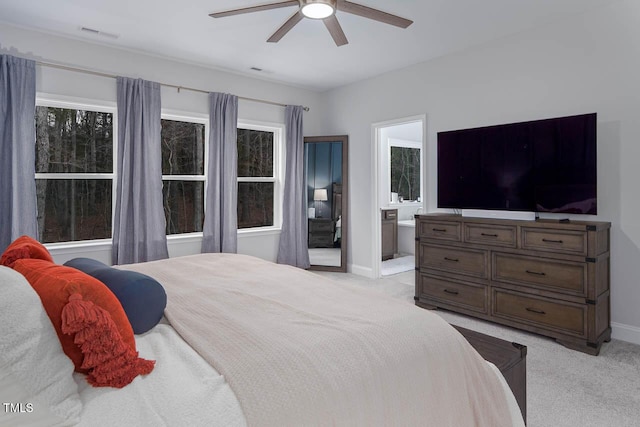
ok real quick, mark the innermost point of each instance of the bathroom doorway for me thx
(400, 192)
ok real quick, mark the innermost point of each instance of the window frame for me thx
(278, 130)
(401, 143)
(182, 116)
(279, 156)
(78, 103)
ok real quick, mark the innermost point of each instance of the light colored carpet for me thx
(564, 387)
(397, 265)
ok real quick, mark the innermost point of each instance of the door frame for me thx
(376, 139)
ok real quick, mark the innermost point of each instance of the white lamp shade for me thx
(320, 194)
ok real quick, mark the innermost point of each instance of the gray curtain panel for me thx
(139, 225)
(293, 248)
(220, 230)
(18, 210)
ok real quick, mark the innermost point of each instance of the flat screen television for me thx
(540, 166)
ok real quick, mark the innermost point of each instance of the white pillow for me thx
(34, 368)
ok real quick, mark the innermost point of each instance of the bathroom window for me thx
(405, 171)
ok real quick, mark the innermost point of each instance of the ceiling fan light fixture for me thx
(318, 9)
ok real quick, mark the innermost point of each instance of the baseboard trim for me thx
(628, 333)
(360, 270)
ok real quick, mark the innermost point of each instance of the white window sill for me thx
(412, 203)
(259, 231)
(178, 238)
(83, 244)
(185, 237)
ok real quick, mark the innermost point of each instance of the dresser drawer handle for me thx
(536, 273)
(451, 292)
(552, 241)
(488, 235)
(535, 310)
(439, 230)
(451, 259)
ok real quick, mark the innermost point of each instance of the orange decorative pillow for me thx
(24, 247)
(92, 326)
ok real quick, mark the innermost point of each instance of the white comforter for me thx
(182, 390)
(298, 349)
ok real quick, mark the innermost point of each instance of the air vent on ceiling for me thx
(99, 33)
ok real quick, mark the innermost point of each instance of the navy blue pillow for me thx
(142, 297)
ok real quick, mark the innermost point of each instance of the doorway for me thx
(400, 192)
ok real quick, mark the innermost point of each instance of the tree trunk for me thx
(92, 166)
(198, 201)
(42, 165)
(72, 185)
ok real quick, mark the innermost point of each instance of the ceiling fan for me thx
(319, 9)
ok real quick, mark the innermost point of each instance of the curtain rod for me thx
(179, 88)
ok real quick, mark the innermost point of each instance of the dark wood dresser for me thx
(321, 233)
(509, 357)
(547, 276)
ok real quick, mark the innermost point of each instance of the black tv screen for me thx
(542, 166)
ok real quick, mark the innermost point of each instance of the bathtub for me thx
(407, 223)
(406, 236)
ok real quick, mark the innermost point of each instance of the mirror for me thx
(326, 167)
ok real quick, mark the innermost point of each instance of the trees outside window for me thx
(257, 175)
(405, 172)
(183, 175)
(74, 172)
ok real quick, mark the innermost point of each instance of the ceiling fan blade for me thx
(286, 27)
(335, 30)
(368, 12)
(255, 8)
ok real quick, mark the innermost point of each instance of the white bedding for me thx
(248, 318)
(182, 390)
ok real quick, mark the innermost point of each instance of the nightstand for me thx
(321, 233)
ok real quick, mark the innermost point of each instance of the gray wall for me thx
(586, 63)
(50, 48)
(589, 62)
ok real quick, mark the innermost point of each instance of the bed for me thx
(336, 211)
(248, 342)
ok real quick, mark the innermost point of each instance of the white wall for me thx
(587, 63)
(50, 48)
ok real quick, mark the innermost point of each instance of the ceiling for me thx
(307, 56)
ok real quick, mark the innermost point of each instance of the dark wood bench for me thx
(509, 357)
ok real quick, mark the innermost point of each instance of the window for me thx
(258, 176)
(405, 171)
(183, 174)
(74, 171)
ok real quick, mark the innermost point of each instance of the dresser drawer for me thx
(320, 226)
(321, 241)
(466, 295)
(455, 260)
(389, 214)
(561, 241)
(496, 235)
(449, 231)
(554, 315)
(560, 276)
